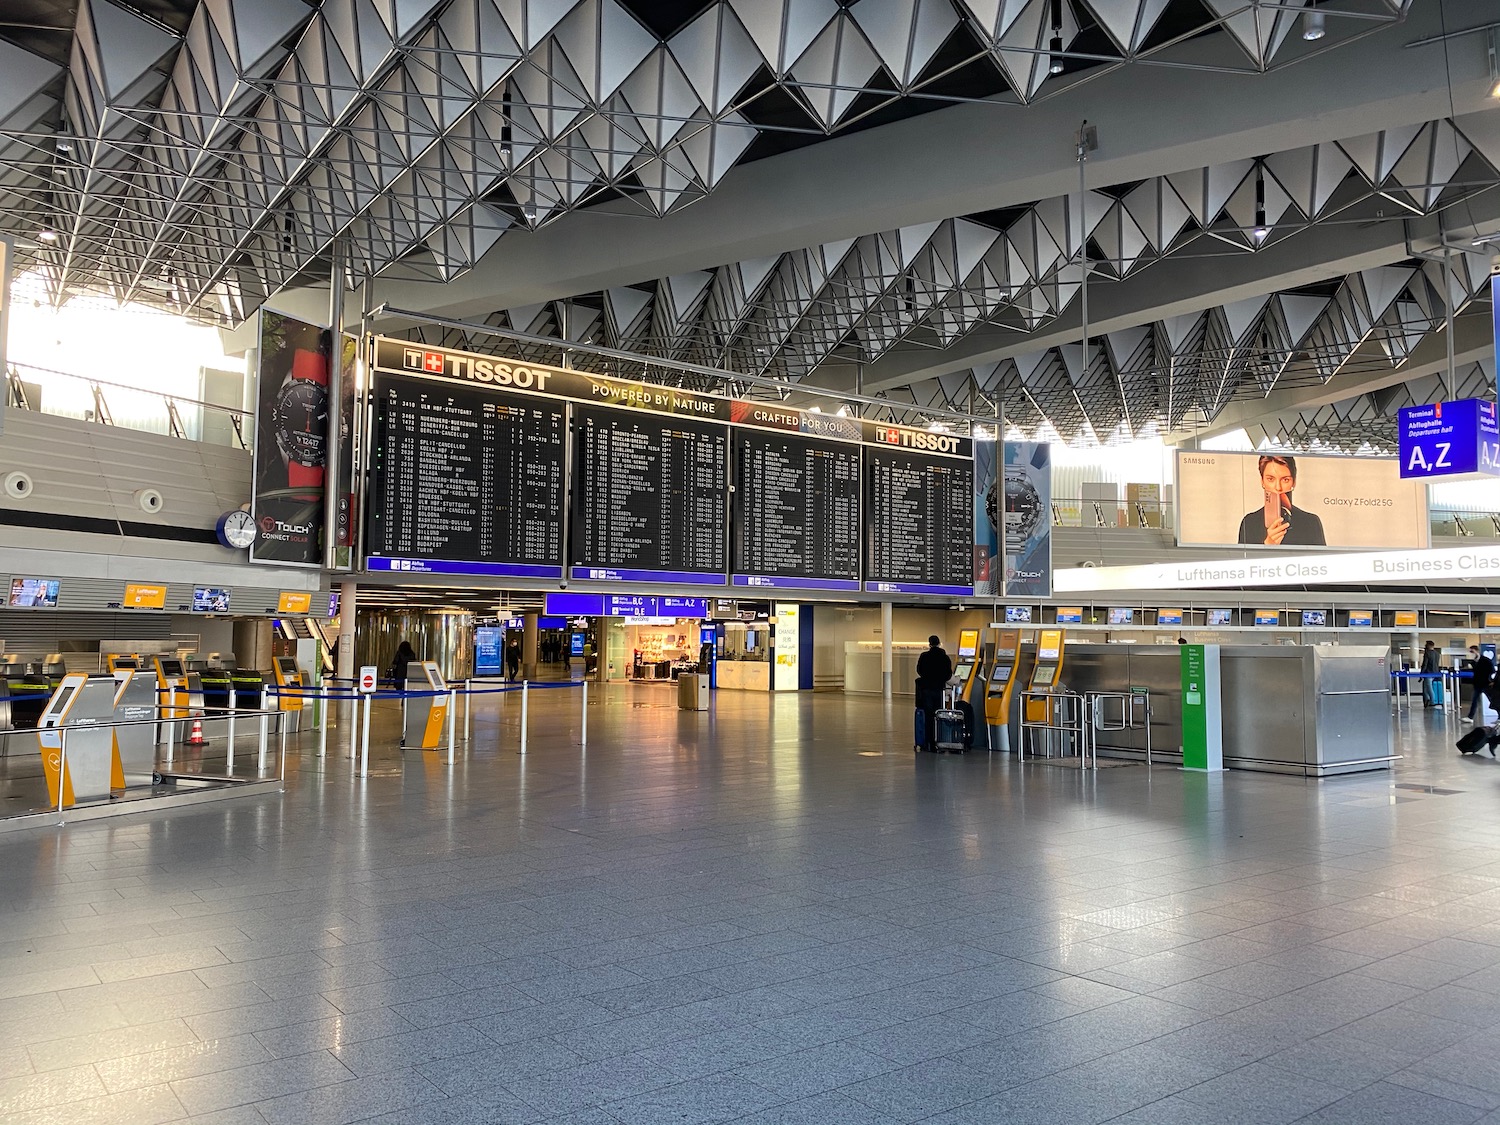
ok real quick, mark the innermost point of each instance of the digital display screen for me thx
(961, 673)
(1491, 620)
(33, 593)
(170, 667)
(575, 643)
(465, 480)
(968, 643)
(1268, 617)
(1406, 618)
(210, 599)
(650, 497)
(919, 537)
(1312, 618)
(1044, 674)
(1169, 617)
(1121, 615)
(1361, 619)
(1220, 616)
(1018, 614)
(1070, 615)
(489, 648)
(795, 510)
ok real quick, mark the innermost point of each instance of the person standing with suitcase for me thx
(1483, 671)
(934, 670)
(1432, 688)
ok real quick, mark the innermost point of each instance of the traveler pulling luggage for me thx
(950, 724)
(934, 670)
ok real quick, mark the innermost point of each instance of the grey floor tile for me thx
(258, 1082)
(355, 1100)
(813, 1071)
(1274, 1093)
(696, 1101)
(1385, 1103)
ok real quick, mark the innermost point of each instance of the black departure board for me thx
(796, 511)
(465, 480)
(649, 497)
(919, 538)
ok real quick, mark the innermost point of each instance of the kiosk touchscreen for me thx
(121, 663)
(426, 715)
(89, 773)
(172, 687)
(1001, 691)
(1045, 675)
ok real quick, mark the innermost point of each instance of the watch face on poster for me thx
(302, 422)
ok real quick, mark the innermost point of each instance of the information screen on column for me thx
(919, 535)
(465, 481)
(649, 496)
(796, 512)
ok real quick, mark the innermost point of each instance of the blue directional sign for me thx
(1449, 439)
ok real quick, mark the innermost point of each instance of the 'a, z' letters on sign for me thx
(1449, 439)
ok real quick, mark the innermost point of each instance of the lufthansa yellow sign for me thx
(293, 602)
(140, 595)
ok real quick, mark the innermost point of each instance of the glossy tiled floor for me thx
(773, 913)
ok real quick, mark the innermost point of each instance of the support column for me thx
(335, 453)
(529, 647)
(348, 605)
(887, 661)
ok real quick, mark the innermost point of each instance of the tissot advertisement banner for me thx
(1291, 500)
(291, 440)
(348, 502)
(1024, 500)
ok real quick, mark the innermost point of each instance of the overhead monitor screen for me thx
(1268, 617)
(1070, 615)
(1314, 618)
(33, 593)
(1361, 619)
(1018, 614)
(1169, 617)
(649, 497)
(210, 599)
(1219, 616)
(1121, 615)
(919, 537)
(1277, 500)
(796, 511)
(465, 480)
(1406, 619)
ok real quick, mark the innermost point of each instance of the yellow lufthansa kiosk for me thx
(1045, 675)
(427, 715)
(1000, 692)
(289, 675)
(967, 675)
(91, 769)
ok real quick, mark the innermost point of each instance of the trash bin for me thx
(692, 692)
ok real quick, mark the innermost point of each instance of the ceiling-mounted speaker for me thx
(18, 486)
(149, 500)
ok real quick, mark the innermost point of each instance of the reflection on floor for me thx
(771, 912)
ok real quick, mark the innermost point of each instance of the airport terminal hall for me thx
(749, 562)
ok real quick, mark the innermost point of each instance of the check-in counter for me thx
(1311, 710)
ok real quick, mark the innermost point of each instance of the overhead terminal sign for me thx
(1450, 439)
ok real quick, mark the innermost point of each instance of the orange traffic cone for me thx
(196, 737)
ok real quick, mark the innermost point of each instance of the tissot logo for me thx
(892, 437)
(433, 361)
(412, 358)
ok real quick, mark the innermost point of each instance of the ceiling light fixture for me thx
(1313, 25)
(1056, 64)
(528, 210)
(47, 234)
(1261, 229)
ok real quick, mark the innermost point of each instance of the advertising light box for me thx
(1283, 500)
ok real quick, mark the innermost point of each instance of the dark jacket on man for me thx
(934, 669)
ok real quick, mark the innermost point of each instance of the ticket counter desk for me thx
(1309, 710)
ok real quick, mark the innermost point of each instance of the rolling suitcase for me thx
(1473, 740)
(921, 731)
(950, 725)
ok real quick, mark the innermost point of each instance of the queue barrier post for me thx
(452, 720)
(229, 753)
(323, 727)
(468, 691)
(62, 770)
(583, 738)
(364, 741)
(524, 686)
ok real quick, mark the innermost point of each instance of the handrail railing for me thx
(172, 415)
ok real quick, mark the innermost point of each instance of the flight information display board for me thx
(796, 512)
(920, 535)
(649, 497)
(465, 480)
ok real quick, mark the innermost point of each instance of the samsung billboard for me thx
(1290, 500)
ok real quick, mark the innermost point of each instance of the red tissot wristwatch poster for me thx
(291, 440)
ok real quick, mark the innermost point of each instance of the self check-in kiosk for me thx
(119, 661)
(1046, 675)
(1000, 691)
(426, 715)
(289, 676)
(967, 679)
(135, 745)
(90, 772)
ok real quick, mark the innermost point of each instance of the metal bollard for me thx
(523, 716)
(229, 753)
(452, 720)
(364, 742)
(468, 697)
(265, 708)
(323, 727)
(583, 738)
(62, 768)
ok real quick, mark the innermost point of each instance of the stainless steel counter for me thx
(1313, 710)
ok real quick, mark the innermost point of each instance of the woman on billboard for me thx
(1279, 522)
